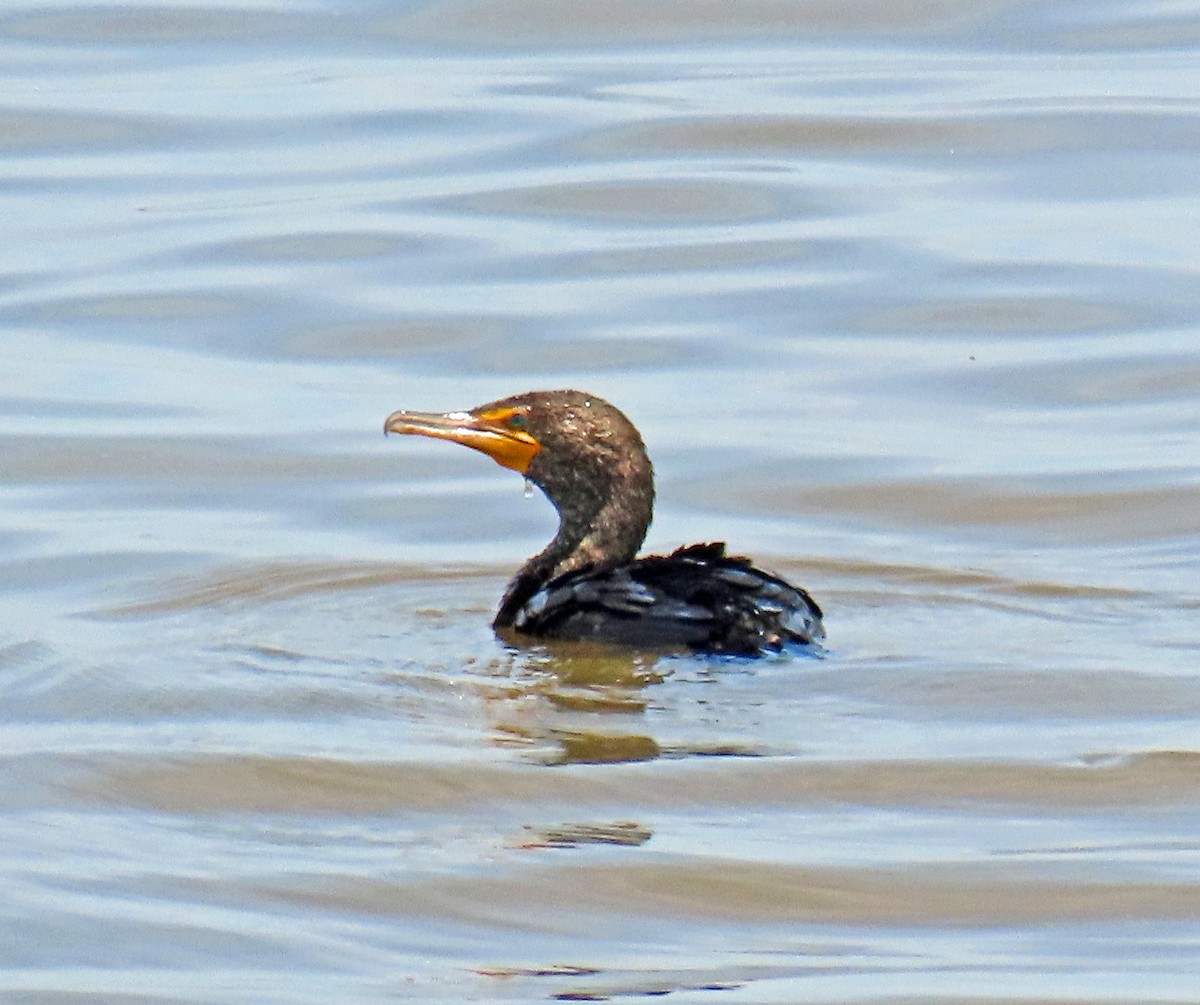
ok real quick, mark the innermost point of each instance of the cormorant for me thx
(590, 462)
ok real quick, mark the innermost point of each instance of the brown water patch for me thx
(639, 22)
(520, 347)
(1120, 380)
(277, 582)
(138, 308)
(401, 338)
(25, 133)
(216, 783)
(154, 457)
(990, 132)
(694, 256)
(640, 203)
(30, 410)
(152, 24)
(1007, 690)
(1132, 26)
(955, 580)
(718, 889)
(768, 136)
(314, 246)
(1033, 314)
(1042, 509)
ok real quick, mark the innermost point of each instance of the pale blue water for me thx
(904, 300)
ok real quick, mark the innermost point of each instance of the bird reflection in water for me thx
(555, 692)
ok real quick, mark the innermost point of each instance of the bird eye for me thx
(517, 421)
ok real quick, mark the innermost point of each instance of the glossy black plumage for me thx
(589, 460)
(697, 597)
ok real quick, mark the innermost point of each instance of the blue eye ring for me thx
(518, 421)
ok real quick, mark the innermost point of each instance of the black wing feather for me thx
(698, 597)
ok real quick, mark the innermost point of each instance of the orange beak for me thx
(491, 433)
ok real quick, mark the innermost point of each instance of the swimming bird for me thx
(587, 584)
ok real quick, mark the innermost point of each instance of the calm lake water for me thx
(904, 299)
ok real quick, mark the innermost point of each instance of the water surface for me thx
(903, 299)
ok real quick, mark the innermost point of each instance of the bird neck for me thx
(594, 532)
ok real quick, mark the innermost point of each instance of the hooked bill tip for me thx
(394, 420)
